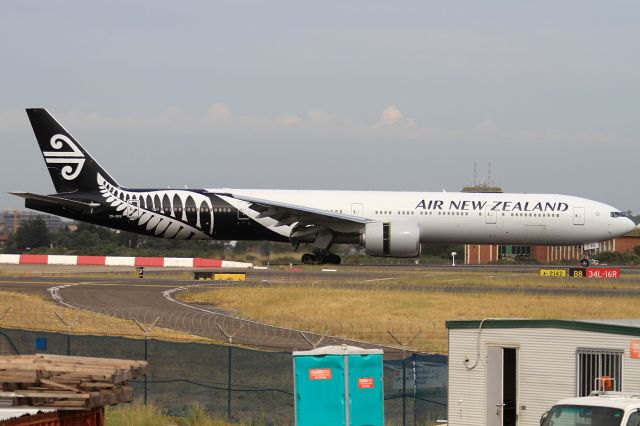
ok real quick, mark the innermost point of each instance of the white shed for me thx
(509, 372)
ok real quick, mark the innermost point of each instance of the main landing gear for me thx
(321, 258)
(320, 254)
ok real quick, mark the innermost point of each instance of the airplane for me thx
(392, 224)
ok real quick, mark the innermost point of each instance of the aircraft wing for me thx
(310, 221)
(54, 199)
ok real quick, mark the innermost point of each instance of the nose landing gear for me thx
(586, 260)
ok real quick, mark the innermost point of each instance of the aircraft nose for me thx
(628, 225)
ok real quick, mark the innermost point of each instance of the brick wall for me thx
(548, 254)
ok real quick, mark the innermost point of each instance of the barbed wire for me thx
(190, 325)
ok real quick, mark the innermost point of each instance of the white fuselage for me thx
(460, 217)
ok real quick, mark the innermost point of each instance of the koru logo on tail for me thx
(73, 159)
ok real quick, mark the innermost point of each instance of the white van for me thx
(607, 409)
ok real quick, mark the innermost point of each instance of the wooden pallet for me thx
(66, 382)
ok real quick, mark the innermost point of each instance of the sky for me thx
(366, 95)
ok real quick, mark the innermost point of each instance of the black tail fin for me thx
(72, 169)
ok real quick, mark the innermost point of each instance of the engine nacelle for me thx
(392, 239)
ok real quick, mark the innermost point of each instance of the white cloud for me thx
(218, 112)
(218, 121)
(287, 119)
(391, 116)
(318, 116)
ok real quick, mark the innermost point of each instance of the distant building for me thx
(483, 188)
(477, 254)
(11, 219)
(4, 234)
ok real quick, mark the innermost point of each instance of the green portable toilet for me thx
(338, 385)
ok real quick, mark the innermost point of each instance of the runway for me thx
(154, 297)
(148, 301)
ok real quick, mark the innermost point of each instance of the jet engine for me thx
(392, 239)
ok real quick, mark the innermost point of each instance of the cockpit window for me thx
(617, 214)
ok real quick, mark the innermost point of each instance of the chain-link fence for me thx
(239, 383)
(416, 389)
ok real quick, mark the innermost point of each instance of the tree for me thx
(31, 235)
(634, 218)
(636, 250)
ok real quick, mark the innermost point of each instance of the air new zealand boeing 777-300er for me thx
(390, 224)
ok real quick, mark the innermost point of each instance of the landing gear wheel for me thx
(333, 259)
(584, 263)
(321, 259)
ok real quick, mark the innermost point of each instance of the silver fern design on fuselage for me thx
(175, 214)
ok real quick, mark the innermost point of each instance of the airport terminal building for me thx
(478, 254)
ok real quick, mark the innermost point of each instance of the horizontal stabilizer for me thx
(52, 199)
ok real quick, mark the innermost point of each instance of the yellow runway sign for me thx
(554, 272)
(230, 277)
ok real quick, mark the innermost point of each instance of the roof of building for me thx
(634, 233)
(482, 187)
(624, 327)
(625, 322)
(12, 413)
(338, 350)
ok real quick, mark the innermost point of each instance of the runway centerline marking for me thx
(127, 285)
(46, 283)
(86, 283)
(380, 279)
(504, 275)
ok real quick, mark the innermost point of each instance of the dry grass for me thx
(32, 312)
(379, 276)
(138, 414)
(367, 315)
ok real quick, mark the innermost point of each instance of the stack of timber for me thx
(66, 382)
